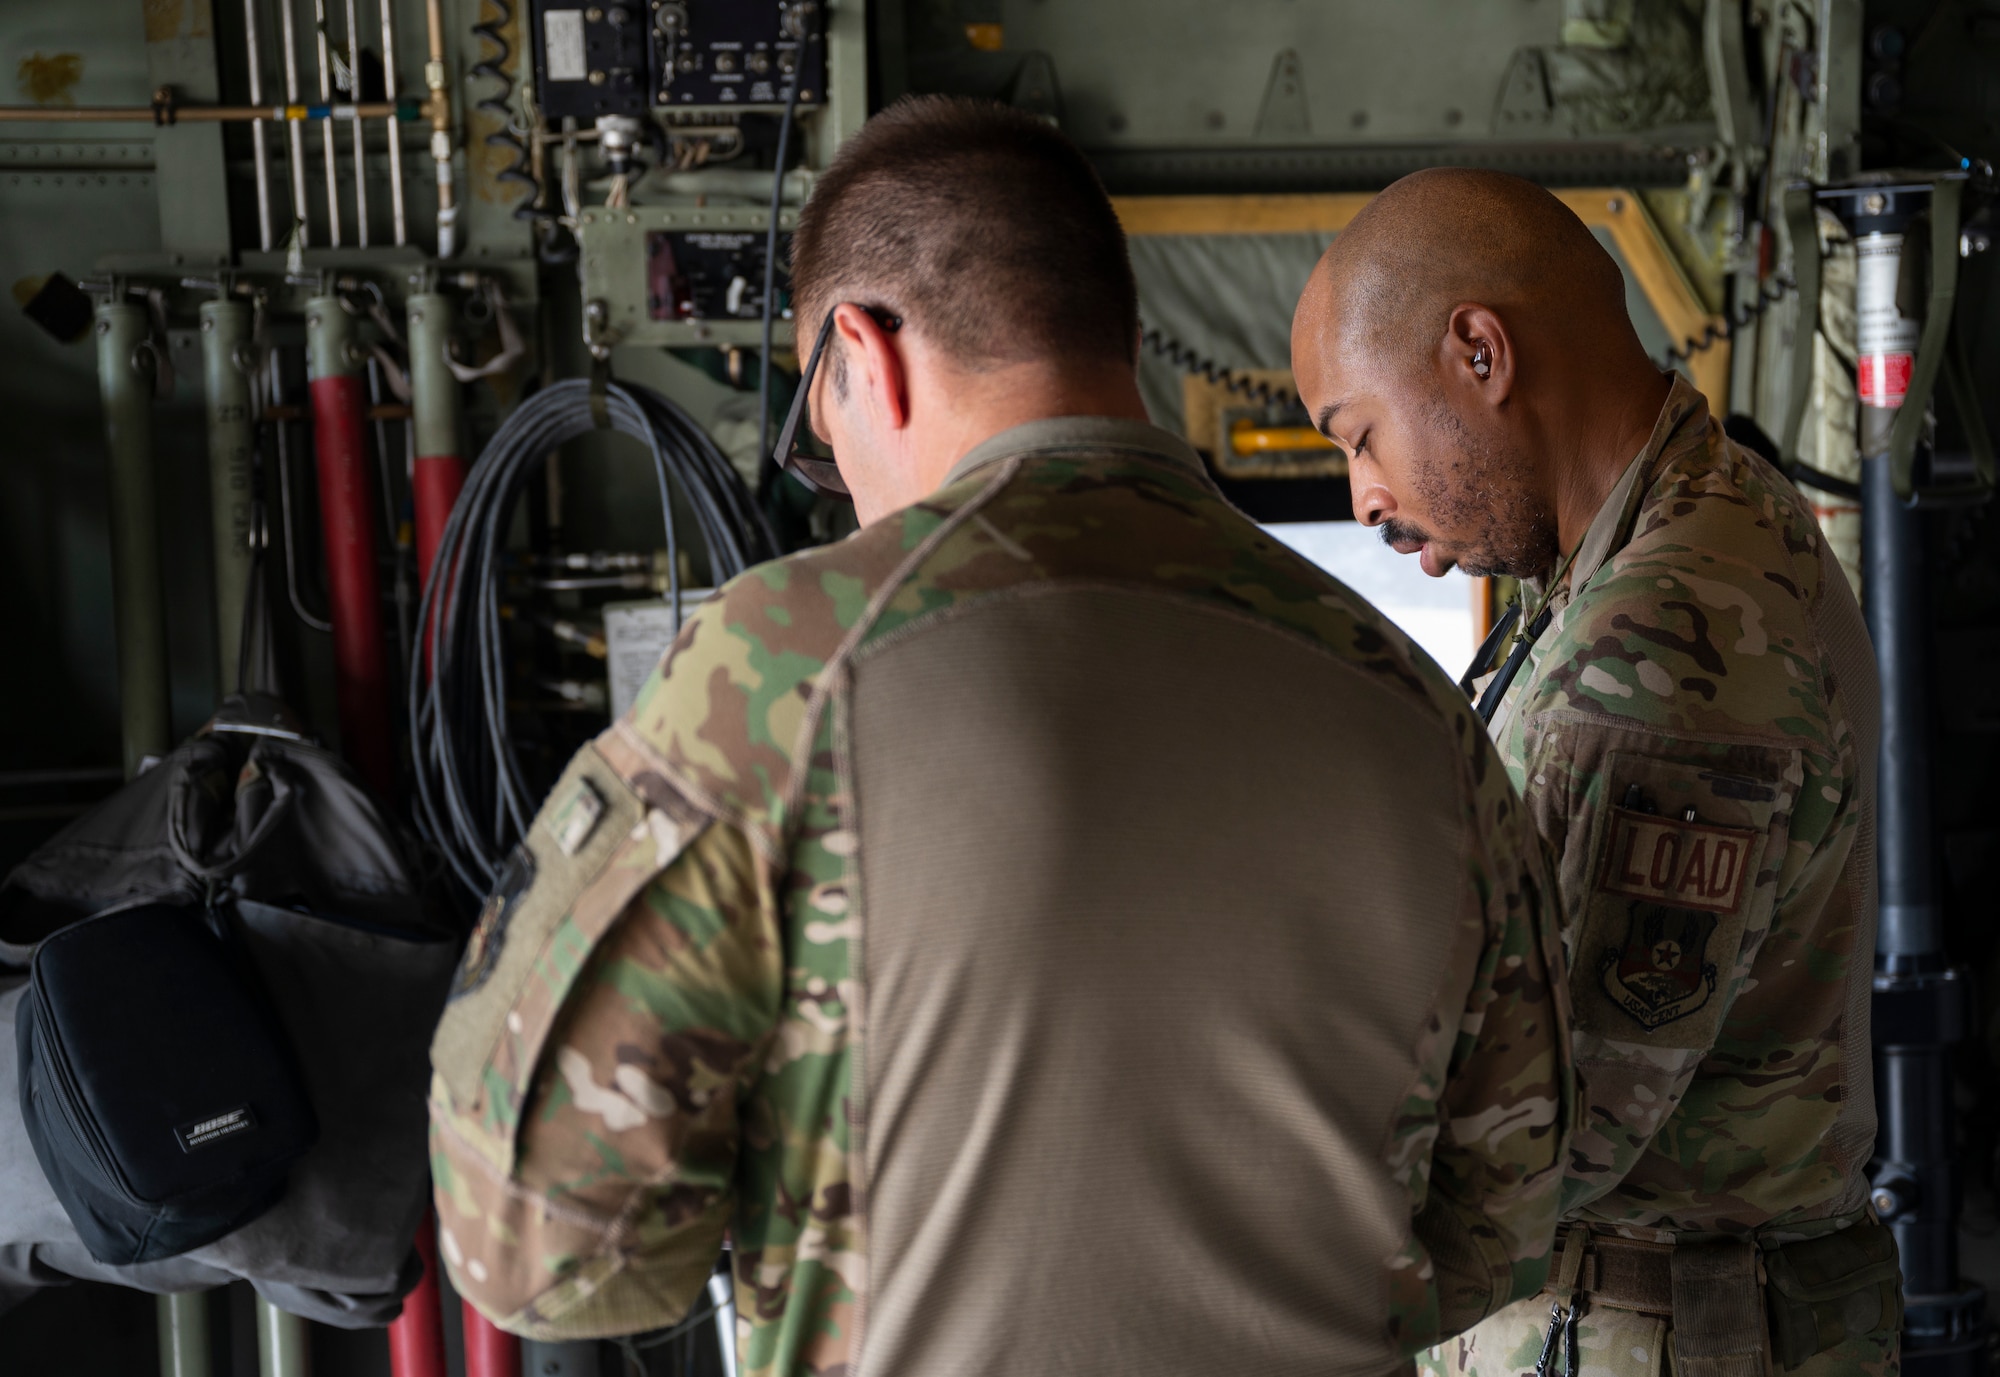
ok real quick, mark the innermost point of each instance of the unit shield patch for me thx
(1665, 887)
(1661, 973)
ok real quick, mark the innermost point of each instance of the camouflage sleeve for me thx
(1497, 1110)
(1671, 820)
(610, 1215)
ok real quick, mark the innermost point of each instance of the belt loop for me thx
(1569, 1266)
(1719, 1325)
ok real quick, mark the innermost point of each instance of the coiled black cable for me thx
(473, 801)
(1768, 295)
(515, 169)
(1185, 359)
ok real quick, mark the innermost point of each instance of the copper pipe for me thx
(440, 108)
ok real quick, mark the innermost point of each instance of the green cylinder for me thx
(184, 1334)
(225, 325)
(283, 1345)
(329, 339)
(138, 608)
(434, 392)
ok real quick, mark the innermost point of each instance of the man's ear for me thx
(875, 365)
(1477, 354)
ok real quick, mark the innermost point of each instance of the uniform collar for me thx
(1684, 414)
(1059, 434)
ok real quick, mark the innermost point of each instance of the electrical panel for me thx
(590, 60)
(712, 274)
(680, 275)
(736, 54)
(622, 58)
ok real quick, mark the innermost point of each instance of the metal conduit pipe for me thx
(125, 378)
(489, 1350)
(183, 1322)
(326, 128)
(348, 518)
(391, 85)
(435, 408)
(258, 151)
(294, 133)
(360, 129)
(1920, 1004)
(225, 328)
(284, 1348)
(416, 1337)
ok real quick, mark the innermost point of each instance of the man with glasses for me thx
(1054, 930)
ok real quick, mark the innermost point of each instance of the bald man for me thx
(1690, 715)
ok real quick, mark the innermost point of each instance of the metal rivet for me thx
(1616, 205)
(597, 78)
(1875, 203)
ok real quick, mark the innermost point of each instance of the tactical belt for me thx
(1736, 1309)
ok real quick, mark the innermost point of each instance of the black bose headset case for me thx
(157, 1089)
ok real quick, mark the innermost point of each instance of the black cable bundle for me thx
(473, 802)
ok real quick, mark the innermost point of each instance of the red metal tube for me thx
(434, 488)
(416, 1337)
(347, 521)
(489, 1351)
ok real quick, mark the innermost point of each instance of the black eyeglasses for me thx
(818, 471)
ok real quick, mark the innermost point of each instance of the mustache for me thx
(1393, 531)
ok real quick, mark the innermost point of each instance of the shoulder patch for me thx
(1679, 861)
(1674, 890)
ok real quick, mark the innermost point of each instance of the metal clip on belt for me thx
(1565, 1309)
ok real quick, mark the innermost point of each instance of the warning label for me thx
(1884, 379)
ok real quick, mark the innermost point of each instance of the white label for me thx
(562, 37)
(636, 635)
(1880, 328)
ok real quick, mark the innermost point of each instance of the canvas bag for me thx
(319, 889)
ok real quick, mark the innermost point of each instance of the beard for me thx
(1484, 490)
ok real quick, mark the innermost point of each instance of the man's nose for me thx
(1372, 503)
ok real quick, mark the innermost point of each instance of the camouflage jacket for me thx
(662, 1029)
(1695, 738)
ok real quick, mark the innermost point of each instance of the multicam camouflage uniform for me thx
(1695, 740)
(701, 1000)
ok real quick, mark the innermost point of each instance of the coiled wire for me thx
(496, 104)
(473, 801)
(1184, 358)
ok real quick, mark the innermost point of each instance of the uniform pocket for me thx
(1679, 869)
(593, 848)
(1825, 1291)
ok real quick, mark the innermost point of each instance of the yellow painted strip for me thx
(1247, 437)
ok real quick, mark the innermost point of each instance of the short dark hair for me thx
(980, 225)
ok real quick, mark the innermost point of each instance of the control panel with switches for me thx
(594, 60)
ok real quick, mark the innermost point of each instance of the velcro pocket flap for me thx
(1824, 1291)
(594, 846)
